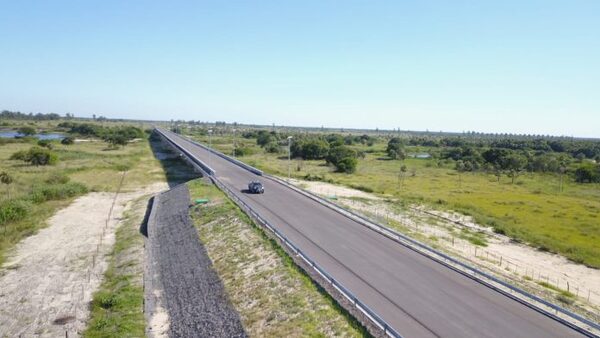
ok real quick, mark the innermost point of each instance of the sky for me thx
(529, 67)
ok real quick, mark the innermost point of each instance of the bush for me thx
(39, 156)
(20, 155)
(243, 151)
(343, 158)
(36, 156)
(45, 144)
(57, 178)
(56, 192)
(67, 141)
(26, 131)
(14, 210)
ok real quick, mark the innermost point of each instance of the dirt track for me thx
(47, 284)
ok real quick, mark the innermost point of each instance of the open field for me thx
(81, 167)
(531, 210)
(273, 297)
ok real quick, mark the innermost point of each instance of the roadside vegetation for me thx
(536, 189)
(39, 177)
(117, 307)
(272, 295)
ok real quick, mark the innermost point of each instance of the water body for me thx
(49, 136)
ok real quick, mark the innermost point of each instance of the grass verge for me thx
(117, 307)
(273, 296)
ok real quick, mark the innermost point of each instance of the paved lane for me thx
(417, 296)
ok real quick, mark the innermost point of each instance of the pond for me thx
(49, 136)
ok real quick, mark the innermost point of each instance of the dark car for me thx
(256, 187)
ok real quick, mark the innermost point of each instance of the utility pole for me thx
(210, 148)
(289, 157)
(233, 143)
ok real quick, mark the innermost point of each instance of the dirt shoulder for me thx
(48, 281)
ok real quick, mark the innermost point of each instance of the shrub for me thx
(343, 158)
(14, 210)
(243, 151)
(45, 144)
(26, 131)
(40, 156)
(56, 192)
(57, 178)
(20, 155)
(67, 140)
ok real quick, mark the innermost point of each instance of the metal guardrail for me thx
(203, 167)
(230, 159)
(477, 274)
(368, 312)
(376, 319)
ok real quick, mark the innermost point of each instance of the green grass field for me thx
(531, 210)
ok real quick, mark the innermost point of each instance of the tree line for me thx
(333, 148)
(115, 136)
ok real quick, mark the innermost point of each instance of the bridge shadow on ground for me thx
(176, 170)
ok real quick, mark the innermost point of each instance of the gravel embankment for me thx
(182, 279)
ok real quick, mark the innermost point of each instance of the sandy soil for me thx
(501, 256)
(329, 190)
(48, 282)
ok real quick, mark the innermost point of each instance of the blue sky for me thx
(494, 66)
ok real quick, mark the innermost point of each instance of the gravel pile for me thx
(189, 288)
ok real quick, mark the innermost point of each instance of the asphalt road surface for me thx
(414, 294)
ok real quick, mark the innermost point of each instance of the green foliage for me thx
(20, 155)
(310, 149)
(20, 116)
(587, 173)
(57, 178)
(39, 156)
(48, 192)
(395, 149)
(343, 158)
(5, 178)
(27, 131)
(14, 210)
(36, 156)
(243, 151)
(67, 141)
(45, 144)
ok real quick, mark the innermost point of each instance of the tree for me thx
(460, 168)
(67, 140)
(26, 131)
(7, 179)
(401, 174)
(514, 163)
(343, 158)
(395, 149)
(40, 156)
(587, 173)
(314, 149)
(115, 140)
